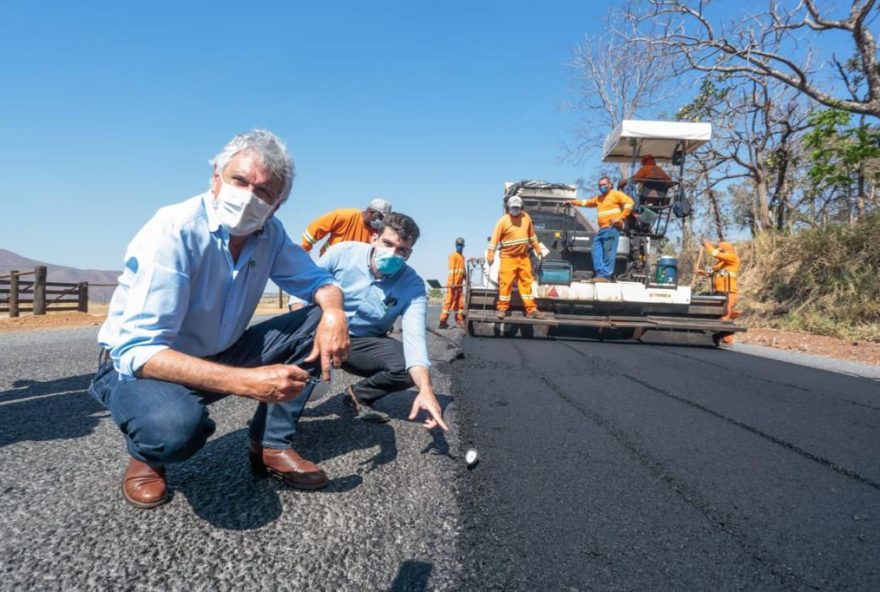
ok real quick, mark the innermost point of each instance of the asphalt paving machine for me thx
(647, 296)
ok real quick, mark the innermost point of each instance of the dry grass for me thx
(823, 281)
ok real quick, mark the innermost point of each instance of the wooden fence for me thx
(39, 296)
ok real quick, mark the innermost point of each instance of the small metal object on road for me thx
(471, 458)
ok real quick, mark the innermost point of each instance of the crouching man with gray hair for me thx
(176, 336)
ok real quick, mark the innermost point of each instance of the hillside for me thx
(60, 273)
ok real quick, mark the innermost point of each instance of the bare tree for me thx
(614, 79)
(756, 127)
(762, 45)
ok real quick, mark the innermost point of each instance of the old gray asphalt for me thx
(387, 520)
(604, 466)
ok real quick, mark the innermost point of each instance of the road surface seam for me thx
(827, 463)
(771, 381)
(692, 498)
(785, 444)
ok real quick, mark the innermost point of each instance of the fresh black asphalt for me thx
(622, 466)
(604, 466)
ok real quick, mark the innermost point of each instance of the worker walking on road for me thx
(513, 236)
(724, 272)
(346, 224)
(454, 287)
(613, 207)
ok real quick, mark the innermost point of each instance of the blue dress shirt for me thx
(372, 305)
(180, 288)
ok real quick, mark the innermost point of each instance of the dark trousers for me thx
(165, 422)
(380, 360)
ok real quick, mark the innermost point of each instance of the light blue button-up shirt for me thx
(372, 305)
(180, 288)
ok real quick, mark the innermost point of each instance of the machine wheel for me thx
(716, 339)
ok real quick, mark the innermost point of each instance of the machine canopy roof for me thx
(657, 138)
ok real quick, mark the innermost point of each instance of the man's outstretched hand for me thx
(426, 401)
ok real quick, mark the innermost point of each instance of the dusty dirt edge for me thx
(865, 352)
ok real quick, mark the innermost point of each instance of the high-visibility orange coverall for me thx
(611, 208)
(454, 289)
(724, 272)
(514, 235)
(650, 171)
(344, 224)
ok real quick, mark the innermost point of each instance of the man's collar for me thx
(211, 211)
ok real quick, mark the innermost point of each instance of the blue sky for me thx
(110, 110)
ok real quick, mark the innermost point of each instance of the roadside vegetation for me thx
(819, 280)
(792, 174)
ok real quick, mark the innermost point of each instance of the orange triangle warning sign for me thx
(553, 293)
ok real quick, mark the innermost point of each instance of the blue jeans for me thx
(604, 251)
(165, 422)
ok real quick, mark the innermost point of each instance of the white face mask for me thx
(240, 211)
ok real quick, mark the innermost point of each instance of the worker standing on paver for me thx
(346, 224)
(513, 236)
(454, 287)
(724, 272)
(613, 207)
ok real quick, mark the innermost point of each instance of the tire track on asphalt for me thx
(768, 380)
(821, 460)
(762, 557)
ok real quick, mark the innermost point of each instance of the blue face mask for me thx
(603, 189)
(459, 248)
(388, 263)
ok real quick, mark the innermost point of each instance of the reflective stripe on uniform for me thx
(504, 298)
(521, 241)
(308, 237)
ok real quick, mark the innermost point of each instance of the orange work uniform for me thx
(724, 272)
(513, 235)
(344, 224)
(454, 289)
(650, 171)
(612, 207)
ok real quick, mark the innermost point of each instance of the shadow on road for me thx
(48, 410)
(221, 489)
(324, 439)
(412, 576)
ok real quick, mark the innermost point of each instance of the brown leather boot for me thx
(143, 486)
(286, 466)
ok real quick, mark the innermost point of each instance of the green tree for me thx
(844, 163)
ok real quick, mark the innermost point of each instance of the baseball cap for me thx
(459, 241)
(514, 202)
(380, 205)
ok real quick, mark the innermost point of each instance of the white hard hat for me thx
(514, 202)
(382, 206)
